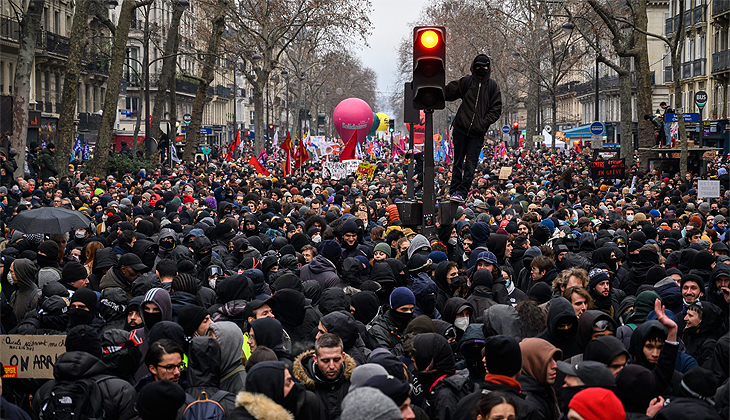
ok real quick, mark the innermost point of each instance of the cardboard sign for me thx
(31, 356)
(365, 170)
(708, 188)
(505, 172)
(334, 170)
(352, 165)
(608, 168)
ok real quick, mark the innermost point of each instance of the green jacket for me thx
(47, 165)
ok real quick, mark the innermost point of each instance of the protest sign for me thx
(30, 356)
(708, 188)
(608, 168)
(505, 172)
(365, 170)
(334, 170)
(352, 165)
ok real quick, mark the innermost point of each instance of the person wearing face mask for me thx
(387, 328)
(22, 275)
(481, 106)
(84, 310)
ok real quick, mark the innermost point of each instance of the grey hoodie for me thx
(230, 339)
(161, 298)
(419, 241)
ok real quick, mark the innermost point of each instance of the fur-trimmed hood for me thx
(261, 407)
(304, 365)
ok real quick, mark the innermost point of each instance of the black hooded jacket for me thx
(343, 325)
(204, 371)
(663, 370)
(699, 341)
(269, 333)
(267, 378)
(481, 102)
(562, 312)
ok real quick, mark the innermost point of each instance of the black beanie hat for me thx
(160, 400)
(703, 260)
(503, 355)
(185, 282)
(190, 317)
(84, 338)
(331, 250)
(698, 383)
(49, 248)
(87, 297)
(396, 389)
(73, 271)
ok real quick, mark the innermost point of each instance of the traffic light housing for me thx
(516, 126)
(391, 126)
(429, 67)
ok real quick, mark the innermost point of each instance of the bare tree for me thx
(29, 25)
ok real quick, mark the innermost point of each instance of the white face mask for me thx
(80, 234)
(11, 280)
(630, 217)
(461, 323)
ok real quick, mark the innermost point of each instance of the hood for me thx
(146, 250)
(332, 300)
(269, 333)
(343, 325)
(455, 306)
(604, 349)
(161, 298)
(482, 57)
(267, 378)
(312, 290)
(290, 308)
(77, 365)
(642, 306)
(433, 353)
(498, 245)
(222, 206)
(25, 274)
(531, 253)
(320, 264)
(711, 322)
(103, 258)
(204, 370)
(536, 356)
(635, 388)
(261, 407)
(287, 280)
(638, 339)
(587, 242)
(423, 285)
(366, 306)
(418, 242)
(560, 312)
(501, 320)
(585, 325)
(382, 273)
(201, 243)
(305, 371)
(480, 234)
(230, 340)
(474, 334)
(439, 277)
(719, 270)
(238, 287)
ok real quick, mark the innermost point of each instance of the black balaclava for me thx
(481, 60)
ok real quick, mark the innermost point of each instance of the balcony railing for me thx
(698, 15)
(686, 70)
(9, 28)
(669, 26)
(720, 6)
(186, 86)
(721, 61)
(668, 75)
(699, 68)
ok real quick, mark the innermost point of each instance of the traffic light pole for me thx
(411, 165)
(429, 198)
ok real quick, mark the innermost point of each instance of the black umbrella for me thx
(49, 220)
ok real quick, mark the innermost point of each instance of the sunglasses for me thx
(603, 325)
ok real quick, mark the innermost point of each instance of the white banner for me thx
(334, 170)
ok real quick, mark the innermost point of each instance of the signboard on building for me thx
(608, 168)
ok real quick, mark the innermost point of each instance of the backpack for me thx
(204, 408)
(75, 400)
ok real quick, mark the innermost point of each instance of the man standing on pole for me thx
(481, 106)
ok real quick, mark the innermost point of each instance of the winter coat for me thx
(230, 339)
(118, 396)
(47, 164)
(560, 312)
(330, 393)
(204, 371)
(298, 318)
(322, 270)
(713, 294)
(481, 103)
(257, 407)
(526, 410)
(699, 341)
(665, 378)
(680, 408)
(385, 333)
(114, 278)
(267, 378)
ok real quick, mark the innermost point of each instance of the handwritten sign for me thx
(708, 188)
(365, 170)
(609, 168)
(334, 170)
(505, 172)
(31, 356)
(352, 165)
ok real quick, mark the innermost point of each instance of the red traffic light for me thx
(271, 127)
(429, 39)
(516, 124)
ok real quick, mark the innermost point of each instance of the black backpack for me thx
(75, 400)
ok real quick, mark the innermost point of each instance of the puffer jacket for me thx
(118, 395)
(481, 103)
(257, 407)
(330, 393)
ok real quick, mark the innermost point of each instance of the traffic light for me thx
(429, 67)
(391, 126)
(516, 126)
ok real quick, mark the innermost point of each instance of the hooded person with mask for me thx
(22, 275)
(204, 372)
(481, 106)
(273, 380)
(562, 327)
(297, 317)
(268, 332)
(83, 310)
(343, 325)
(387, 328)
(230, 340)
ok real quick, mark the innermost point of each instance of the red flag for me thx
(287, 165)
(301, 156)
(287, 146)
(232, 147)
(552, 160)
(348, 151)
(259, 167)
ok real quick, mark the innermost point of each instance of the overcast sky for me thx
(391, 22)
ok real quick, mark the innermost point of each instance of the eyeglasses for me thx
(171, 368)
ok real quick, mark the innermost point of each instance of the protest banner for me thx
(365, 170)
(334, 170)
(505, 172)
(352, 165)
(30, 356)
(708, 188)
(608, 168)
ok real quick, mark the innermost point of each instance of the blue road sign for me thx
(688, 117)
(505, 129)
(597, 128)
(611, 146)
(206, 131)
(125, 112)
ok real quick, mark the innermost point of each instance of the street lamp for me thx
(569, 27)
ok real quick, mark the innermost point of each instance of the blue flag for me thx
(86, 155)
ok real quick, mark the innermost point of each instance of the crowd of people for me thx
(207, 291)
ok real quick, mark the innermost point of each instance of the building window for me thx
(251, 114)
(131, 103)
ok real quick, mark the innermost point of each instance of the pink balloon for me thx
(353, 115)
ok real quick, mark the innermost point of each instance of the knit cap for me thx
(366, 403)
(189, 317)
(362, 373)
(597, 404)
(384, 248)
(401, 296)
